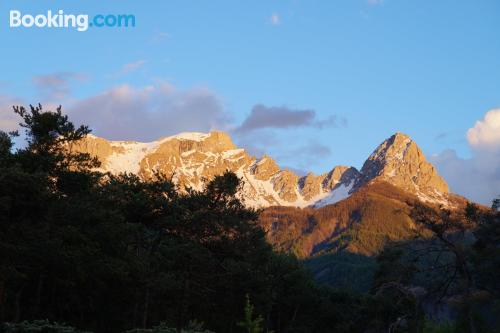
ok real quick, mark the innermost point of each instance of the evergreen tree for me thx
(249, 323)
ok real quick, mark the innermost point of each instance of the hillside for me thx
(361, 223)
(339, 241)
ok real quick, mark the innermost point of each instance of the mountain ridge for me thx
(191, 158)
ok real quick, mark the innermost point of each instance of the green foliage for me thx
(343, 270)
(42, 326)
(486, 255)
(433, 327)
(450, 268)
(193, 327)
(249, 323)
(5, 144)
(45, 326)
(496, 204)
(50, 136)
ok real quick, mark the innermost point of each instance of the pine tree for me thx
(251, 324)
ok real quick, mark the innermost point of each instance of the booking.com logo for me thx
(80, 22)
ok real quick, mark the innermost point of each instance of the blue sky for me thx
(363, 69)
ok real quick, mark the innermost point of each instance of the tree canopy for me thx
(109, 253)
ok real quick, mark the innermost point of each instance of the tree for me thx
(249, 323)
(5, 145)
(50, 136)
(109, 252)
(487, 251)
(496, 204)
(486, 259)
(438, 264)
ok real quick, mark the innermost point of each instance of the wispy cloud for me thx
(316, 149)
(275, 19)
(441, 136)
(375, 2)
(299, 155)
(56, 86)
(258, 133)
(147, 113)
(262, 116)
(283, 117)
(305, 155)
(132, 66)
(160, 37)
(8, 120)
(125, 112)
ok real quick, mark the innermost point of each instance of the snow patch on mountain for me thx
(339, 193)
(129, 156)
(192, 136)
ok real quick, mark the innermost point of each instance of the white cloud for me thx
(275, 19)
(150, 112)
(478, 177)
(375, 2)
(486, 132)
(125, 112)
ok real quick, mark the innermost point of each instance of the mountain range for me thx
(337, 221)
(190, 159)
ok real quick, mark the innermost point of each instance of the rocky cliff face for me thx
(192, 158)
(400, 162)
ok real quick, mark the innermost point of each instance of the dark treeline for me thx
(108, 253)
(450, 271)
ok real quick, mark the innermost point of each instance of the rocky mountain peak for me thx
(265, 168)
(399, 161)
(310, 185)
(219, 141)
(215, 142)
(340, 174)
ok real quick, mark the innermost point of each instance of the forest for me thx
(82, 250)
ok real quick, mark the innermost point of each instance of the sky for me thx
(313, 84)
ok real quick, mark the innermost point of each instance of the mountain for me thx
(339, 242)
(399, 161)
(362, 223)
(192, 158)
(337, 222)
